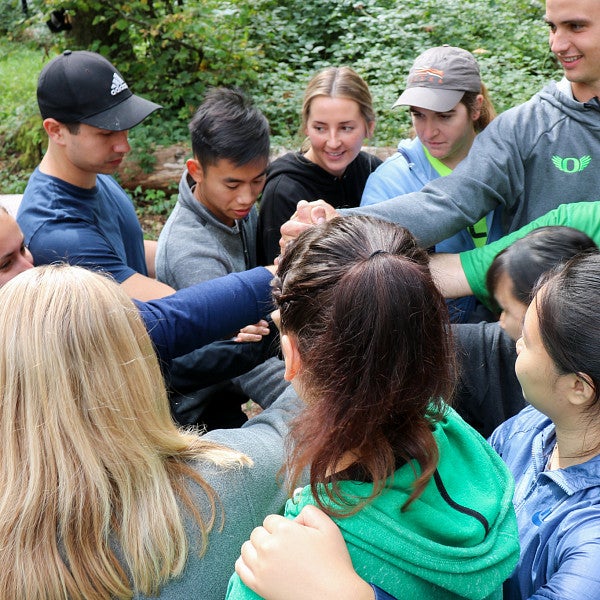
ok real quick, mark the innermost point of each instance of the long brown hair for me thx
(487, 112)
(373, 335)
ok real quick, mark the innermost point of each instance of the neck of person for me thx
(575, 444)
(346, 461)
(452, 161)
(583, 92)
(55, 165)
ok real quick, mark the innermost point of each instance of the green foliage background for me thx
(171, 51)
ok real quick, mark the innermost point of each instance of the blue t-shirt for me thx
(95, 228)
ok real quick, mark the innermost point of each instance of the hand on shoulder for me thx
(300, 559)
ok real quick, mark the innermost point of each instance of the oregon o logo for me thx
(571, 164)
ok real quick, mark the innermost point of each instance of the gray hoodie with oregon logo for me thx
(529, 160)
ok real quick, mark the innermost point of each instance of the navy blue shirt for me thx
(95, 228)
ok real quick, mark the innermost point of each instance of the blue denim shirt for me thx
(558, 513)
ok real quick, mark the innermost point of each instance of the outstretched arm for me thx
(144, 288)
(207, 311)
(449, 275)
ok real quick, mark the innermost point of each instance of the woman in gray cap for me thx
(449, 106)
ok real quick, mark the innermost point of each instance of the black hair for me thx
(569, 321)
(228, 125)
(531, 256)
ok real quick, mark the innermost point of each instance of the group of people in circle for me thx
(416, 307)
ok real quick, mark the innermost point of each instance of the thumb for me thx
(314, 517)
(318, 215)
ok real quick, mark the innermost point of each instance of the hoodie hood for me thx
(187, 200)
(414, 154)
(318, 183)
(459, 539)
(296, 167)
(586, 113)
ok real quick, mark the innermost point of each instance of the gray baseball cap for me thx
(439, 78)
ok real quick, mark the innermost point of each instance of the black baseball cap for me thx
(84, 87)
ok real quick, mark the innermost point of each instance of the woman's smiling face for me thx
(336, 130)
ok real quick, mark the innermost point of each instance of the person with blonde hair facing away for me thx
(423, 502)
(102, 496)
(449, 106)
(337, 116)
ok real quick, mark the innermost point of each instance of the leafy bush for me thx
(380, 39)
(169, 51)
(12, 17)
(172, 51)
(21, 132)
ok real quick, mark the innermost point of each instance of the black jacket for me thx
(292, 178)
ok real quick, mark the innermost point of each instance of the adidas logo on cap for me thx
(117, 85)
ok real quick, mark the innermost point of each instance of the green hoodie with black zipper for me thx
(458, 539)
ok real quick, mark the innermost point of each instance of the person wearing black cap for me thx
(73, 209)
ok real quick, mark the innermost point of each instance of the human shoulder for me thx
(109, 188)
(463, 449)
(262, 440)
(37, 188)
(190, 228)
(289, 180)
(524, 426)
(407, 170)
(264, 434)
(365, 162)
(584, 216)
(46, 192)
(186, 220)
(527, 122)
(528, 418)
(291, 164)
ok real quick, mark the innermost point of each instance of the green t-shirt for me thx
(584, 216)
(478, 231)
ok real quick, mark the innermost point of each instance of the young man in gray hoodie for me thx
(210, 233)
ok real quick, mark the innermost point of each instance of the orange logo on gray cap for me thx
(427, 74)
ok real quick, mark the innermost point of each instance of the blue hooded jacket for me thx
(408, 170)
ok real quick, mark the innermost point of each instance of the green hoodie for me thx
(579, 215)
(457, 540)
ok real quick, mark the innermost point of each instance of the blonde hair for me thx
(338, 82)
(92, 466)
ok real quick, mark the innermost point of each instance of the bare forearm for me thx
(449, 275)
